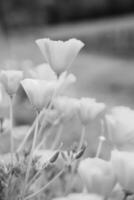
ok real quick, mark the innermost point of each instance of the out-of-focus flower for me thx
(123, 165)
(66, 106)
(11, 80)
(120, 124)
(4, 103)
(39, 92)
(64, 81)
(42, 71)
(80, 196)
(59, 54)
(89, 109)
(97, 175)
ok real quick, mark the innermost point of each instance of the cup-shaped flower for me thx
(66, 107)
(120, 125)
(97, 175)
(11, 80)
(59, 54)
(89, 109)
(39, 92)
(123, 165)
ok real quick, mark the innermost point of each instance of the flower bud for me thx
(120, 125)
(123, 165)
(11, 80)
(89, 109)
(97, 175)
(59, 54)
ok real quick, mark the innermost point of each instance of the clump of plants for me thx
(31, 170)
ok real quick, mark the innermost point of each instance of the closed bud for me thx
(11, 80)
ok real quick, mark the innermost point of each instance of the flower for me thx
(123, 165)
(66, 106)
(120, 125)
(97, 175)
(42, 71)
(80, 196)
(39, 92)
(89, 109)
(64, 81)
(11, 80)
(59, 54)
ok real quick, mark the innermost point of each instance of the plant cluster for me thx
(30, 170)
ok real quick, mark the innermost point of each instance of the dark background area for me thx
(22, 13)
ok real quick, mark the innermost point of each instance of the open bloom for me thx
(11, 80)
(123, 165)
(39, 92)
(59, 54)
(89, 109)
(97, 175)
(120, 124)
(66, 106)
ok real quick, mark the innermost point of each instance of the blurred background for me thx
(106, 27)
(104, 68)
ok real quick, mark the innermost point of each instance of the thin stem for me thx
(36, 176)
(101, 140)
(45, 186)
(42, 142)
(45, 117)
(83, 132)
(31, 156)
(29, 132)
(11, 128)
(58, 136)
(99, 148)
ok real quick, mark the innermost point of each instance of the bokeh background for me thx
(104, 68)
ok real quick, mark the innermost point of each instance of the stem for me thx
(45, 186)
(83, 132)
(11, 128)
(36, 175)
(58, 136)
(45, 117)
(42, 142)
(31, 156)
(29, 131)
(101, 141)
